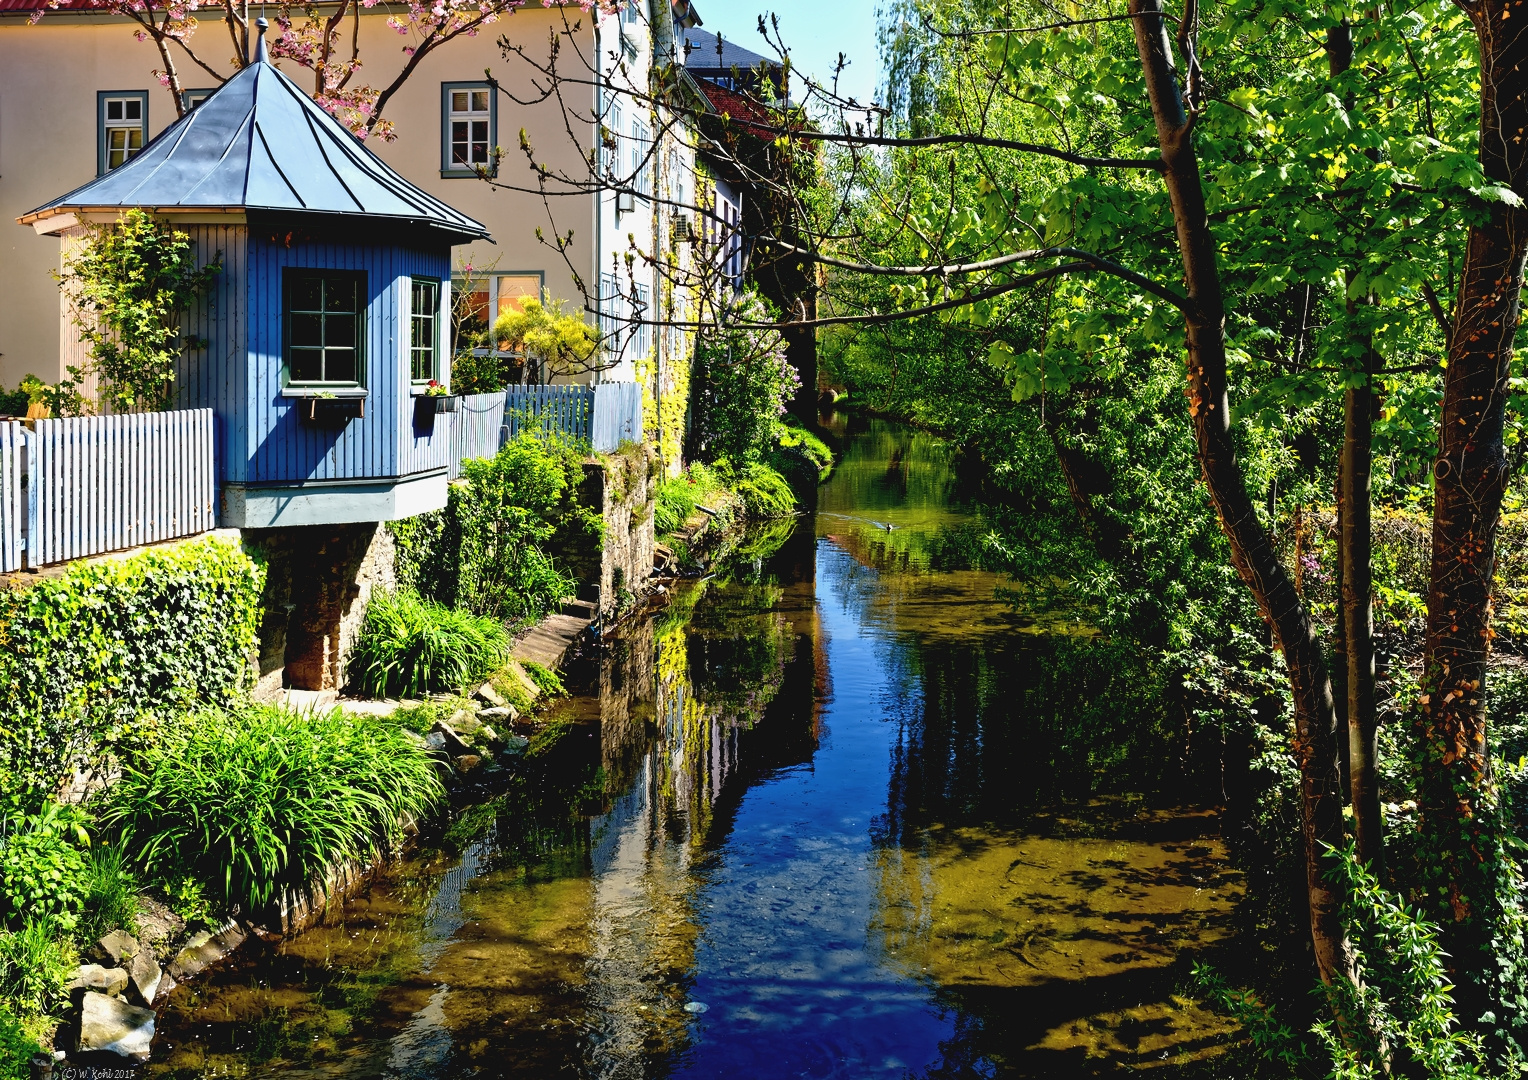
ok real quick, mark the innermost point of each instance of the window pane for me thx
(339, 365)
(514, 291)
(339, 294)
(134, 108)
(306, 293)
(339, 330)
(114, 109)
(480, 101)
(116, 138)
(306, 365)
(459, 101)
(306, 331)
(135, 138)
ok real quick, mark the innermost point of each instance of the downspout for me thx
(599, 191)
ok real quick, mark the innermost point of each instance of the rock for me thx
(146, 975)
(113, 947)
(110, 1025)
(508, 713)
(415, 738)
(157, 925)
(103, 980)
(203, 950)
(515, 745)
(490, 696)
(467, 763)
(464, 723)
(435, 741)
(166, 984)
(453, 742)
(489, 737)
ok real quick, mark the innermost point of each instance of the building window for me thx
(124, 126)
(190, 99)
(611, 305)
(640, 166)
(424, 337)
(324, 313)
(641, 318)
(610, 140)
(515, 289)
(470, 304)
(469, 128)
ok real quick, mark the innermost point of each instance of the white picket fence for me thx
(95, 484)
(604, 416)
(12, 496)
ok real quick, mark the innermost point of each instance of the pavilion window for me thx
(324, 317)
(424, 339)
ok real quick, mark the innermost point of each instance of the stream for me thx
(841, 810)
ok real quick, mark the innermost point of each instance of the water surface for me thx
(840, 811)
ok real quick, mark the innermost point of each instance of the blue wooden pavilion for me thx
(330, 316)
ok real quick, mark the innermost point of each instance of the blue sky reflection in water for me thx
(823, 841)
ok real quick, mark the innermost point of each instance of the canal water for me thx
(844, 809)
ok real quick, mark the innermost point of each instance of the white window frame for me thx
(106, 124)
(641, 141)
(450, 115)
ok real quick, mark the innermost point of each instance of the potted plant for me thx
(441, 397)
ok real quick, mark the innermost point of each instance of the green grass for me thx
(546, 680)
(409, 647)
(35, 964)
(110, 895)
(680, 497)
(261, 802)
(765, 492)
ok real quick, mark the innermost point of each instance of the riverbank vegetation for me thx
(749, 459)
(1313, 539)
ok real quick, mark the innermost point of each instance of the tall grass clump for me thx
(36, 964)
(679, 497)
(110, 894)
(409, 647)
(261, 802)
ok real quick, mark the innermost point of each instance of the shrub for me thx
(409, 646)
(488, 552)
(741, 386)
(16, 1048)
(109, 893)
(35, 966)
(554, 342)
(260, 802)
(85, 655)
(43, 867)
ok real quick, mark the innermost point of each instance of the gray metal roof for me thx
(703, 54)
(259, 143)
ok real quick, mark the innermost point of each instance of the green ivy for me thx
(87, 656)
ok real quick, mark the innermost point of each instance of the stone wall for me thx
(319, 579)
(623, 489)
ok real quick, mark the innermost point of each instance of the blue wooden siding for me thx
(383, 443)
(217, 376)
(261, 436)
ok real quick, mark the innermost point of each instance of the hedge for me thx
(87, 655)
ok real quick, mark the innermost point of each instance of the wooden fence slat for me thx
(102, 483)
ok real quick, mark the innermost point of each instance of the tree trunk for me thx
(1252, 549)
(1355, 546)
(1470, 476)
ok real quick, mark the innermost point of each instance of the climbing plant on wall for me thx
(130, 285)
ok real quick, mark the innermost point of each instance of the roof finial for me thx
(262, 26)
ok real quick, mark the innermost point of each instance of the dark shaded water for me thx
(837, 812)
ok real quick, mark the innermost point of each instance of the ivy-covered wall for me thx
(89, 654)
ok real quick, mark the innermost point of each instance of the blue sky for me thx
(816, 31)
